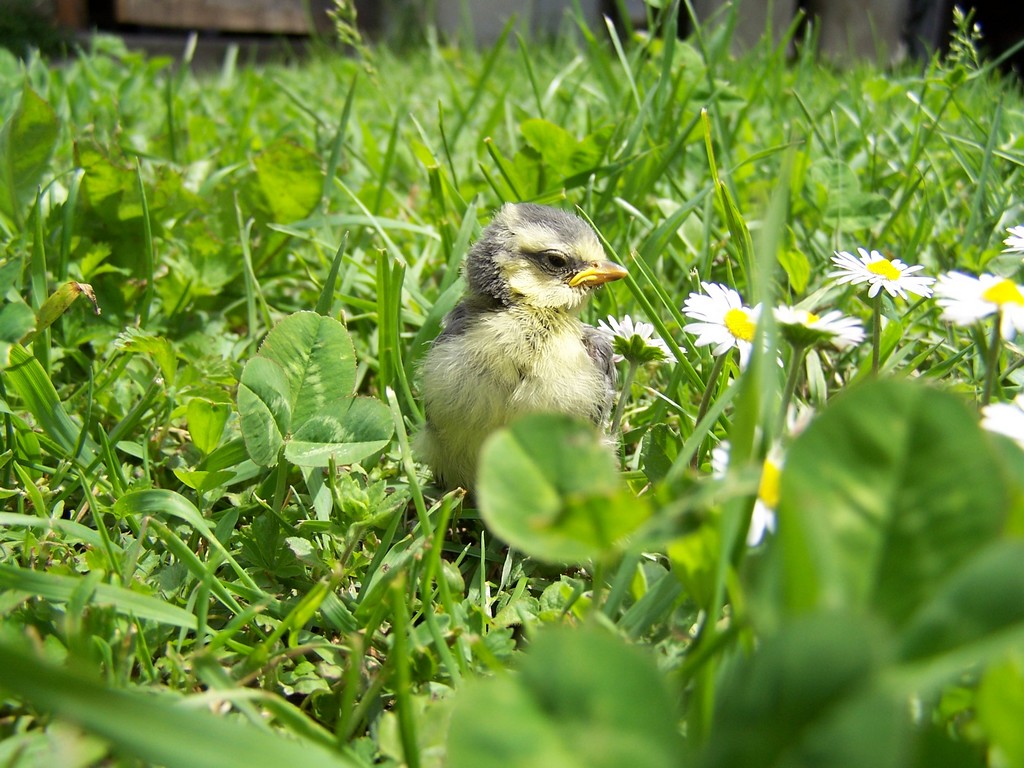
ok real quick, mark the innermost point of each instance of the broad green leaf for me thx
(206, 420)
(159, 348)
(846, 205)
(549, 486)
(888, 491)
(553, 158)
(316, 355)
(10, 277)
(58, 588)
(835, 177)
(110, 189)
(660, 450)
(858, 211)
(351, 430)
(156, 730)
(935, 748)
(16, 321)
(976, 605)
(432, 714)
(296, 395)
(808, 696)
(203, 481)
(555, 144)
(694, 559)
(264, 407)
(1000, 707)
(27, 140)
(289, 179)
(582, 698)
(797, 267)
(59, 744)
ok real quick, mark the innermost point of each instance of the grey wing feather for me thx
(599, 347)
(461, 317)
(454, 322)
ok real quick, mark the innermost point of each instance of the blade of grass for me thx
(148, 254)
(400, 658)
(253, 294)
(58, 588)
(70, 528)
(30, 382)
(151, 728)
(338, 144)
(156, 502)
(326, 300)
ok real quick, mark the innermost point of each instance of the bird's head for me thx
(538, 256)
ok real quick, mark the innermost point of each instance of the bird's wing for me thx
(461, 317)
(455, 322)
(599, 347)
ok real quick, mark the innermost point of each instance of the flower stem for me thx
(876, 334)
(627, 387)
(705, 401)
(992, 360)
(796, 364)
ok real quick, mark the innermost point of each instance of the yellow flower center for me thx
(737, 321)
(768, 490)
(884, 268)
(1003, 292)
(812, 318)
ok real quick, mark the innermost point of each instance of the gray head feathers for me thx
(521, 231)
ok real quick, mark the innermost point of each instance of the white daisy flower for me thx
(722, 320)
(1015, 242)
(803, 328)
(879, 272)
(1005, 419)
(965, 300)
(762, 519)
(635, 341)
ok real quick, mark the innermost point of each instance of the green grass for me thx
(207, 558)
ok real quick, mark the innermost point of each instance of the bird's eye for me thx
(555, 260)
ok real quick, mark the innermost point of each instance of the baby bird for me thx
(514, 344)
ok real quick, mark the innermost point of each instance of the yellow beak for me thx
(598, 273)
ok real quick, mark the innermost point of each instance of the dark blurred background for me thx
(882, 29)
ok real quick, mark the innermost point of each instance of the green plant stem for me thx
(280, 483)
(403, 678)
(627, 387)
(716, 372)
(992, 360)
(149, 257)
(796, 364)
(705, 400)
(876, 334)
(348, 689)
(408, 464)
(8, 444)
(597, 590)
(620, 584)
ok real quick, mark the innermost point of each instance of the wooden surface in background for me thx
(275, 16)
(71, 13)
